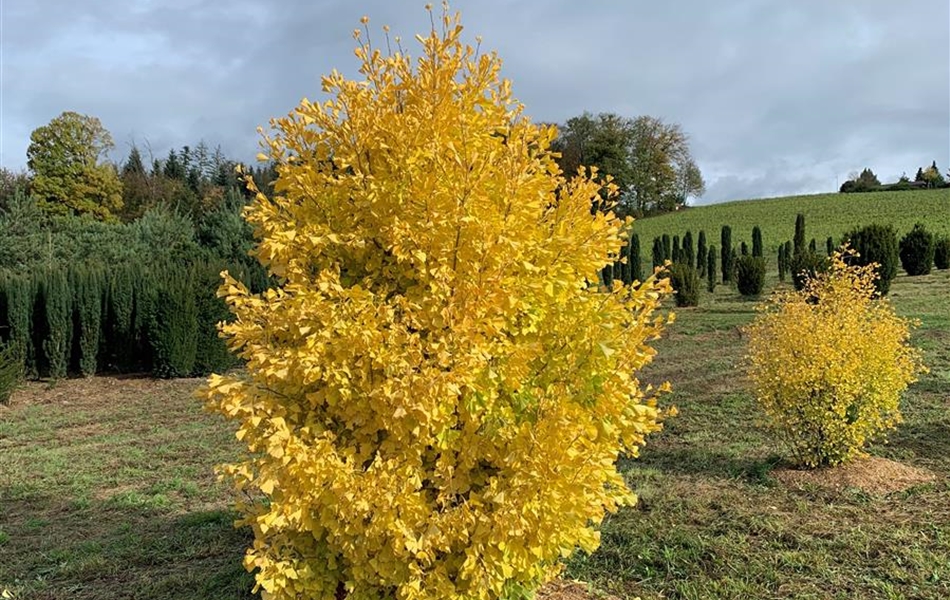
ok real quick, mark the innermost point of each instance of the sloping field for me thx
(825, 215)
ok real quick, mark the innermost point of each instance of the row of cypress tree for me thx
(627, 267)
(919, 252)
(84, 320)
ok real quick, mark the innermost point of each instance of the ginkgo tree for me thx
(438, 387)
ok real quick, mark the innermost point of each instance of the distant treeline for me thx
(867, 181)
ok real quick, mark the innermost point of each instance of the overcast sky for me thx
(778, 96)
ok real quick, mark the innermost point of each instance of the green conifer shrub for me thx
(757, 249)
(711, 269)
(917, 251)
(876, 244)
(685, 282)
(805, 266)
(750, 275)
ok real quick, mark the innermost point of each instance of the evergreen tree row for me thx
(133, 318)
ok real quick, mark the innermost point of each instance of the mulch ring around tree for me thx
(561, 589)
(873, 475)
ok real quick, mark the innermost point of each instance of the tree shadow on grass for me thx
(55, 548)
(696, 461)
(928, 441)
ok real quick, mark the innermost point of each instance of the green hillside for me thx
(825, 215)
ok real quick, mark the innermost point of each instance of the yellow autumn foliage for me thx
(829, 363)
(437, 392)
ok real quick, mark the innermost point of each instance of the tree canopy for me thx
(70, 173)
(648, 159)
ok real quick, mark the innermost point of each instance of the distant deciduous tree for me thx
(70, 173)
(649, 160)
(932, 176)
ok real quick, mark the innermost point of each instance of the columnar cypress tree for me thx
(11, 370)
(16, 317)
(677, 251)
(173, 331)
(689, 255)
(607, 275)
(622, 266)
(636, 269)
(744, 248)
(726, 250)
(701, 251)
(813, 246)
(118, 320)
(57, 306)
(657, 253)
(711, 269)
(734, 259)
(788, 255)
(211, 351)
(145, 296)
(87, 319)
(830, 245)
(757, 249)
(667, 247)
(799, 239)
(781, 262)
(942, 252)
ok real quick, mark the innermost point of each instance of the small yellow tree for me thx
(438, 390)
(829, 363)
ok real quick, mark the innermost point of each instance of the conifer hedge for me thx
(155, 318)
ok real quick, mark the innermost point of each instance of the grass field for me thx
(106, 488)
(825, 215)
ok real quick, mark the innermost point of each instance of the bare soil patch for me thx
(873, 475)
(94, 391)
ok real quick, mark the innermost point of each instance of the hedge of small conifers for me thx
(132, 318)
(917, 252)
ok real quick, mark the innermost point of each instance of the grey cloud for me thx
(778, 97)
